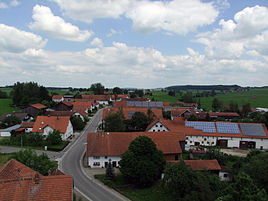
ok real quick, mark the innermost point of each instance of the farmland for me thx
(5, 106)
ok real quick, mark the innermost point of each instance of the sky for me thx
(134, 43)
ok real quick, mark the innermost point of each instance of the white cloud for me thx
(56, 27)
(246, 33)
(15, 40)
(96, 42)
(122, 65)
(177, 16)
(14, 3)
(221, 4)
(3, 5)
(87, 11)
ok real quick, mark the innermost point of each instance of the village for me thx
(182, 133)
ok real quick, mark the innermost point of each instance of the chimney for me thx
(108, 133)
(36, 178)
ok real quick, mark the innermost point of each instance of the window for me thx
(191, 141)
(156, 125)
(185, 142)
(212, 142)
(158, 130)
(207, 142)
(225, 175)
(96, 157)
(161, 126)
(186, 138)
(205, 139)
(106, 157)
(153, 130)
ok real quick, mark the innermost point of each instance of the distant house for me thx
(47, 124)
(200, 165)
(182, 112)
(223, 115)
(101, 99)
(64, 106)
(34, 109)
(19, 182)
(26, 127)
(7, 131)
(20, 115)
(57, 98)
(101, 147)
(129, 112)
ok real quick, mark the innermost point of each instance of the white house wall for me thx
(101, 161)
(232, 141)
(69, 131)
(158, 127)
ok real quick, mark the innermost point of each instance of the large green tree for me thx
(142, 164)
(216, 105)
(54, 138)
(30, 92)
(78, 123)
(41, 164)
(186, 184)
(114, 122)
(139, 121)
(97, 88)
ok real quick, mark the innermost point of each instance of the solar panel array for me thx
(152, 104)
(252, 130)
(208, 127)
(227, 127)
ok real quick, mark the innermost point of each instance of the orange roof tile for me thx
(116, 143)
(27, 125)
(203, 164)
(38, 106)
(30, 187)
(57, 97)
(59, 123)
(224, 114)
(177, 112)
(97, 97)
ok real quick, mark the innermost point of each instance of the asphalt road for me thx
(70, 164)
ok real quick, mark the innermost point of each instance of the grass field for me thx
(256, 98)
(5, 106)
(7, 90)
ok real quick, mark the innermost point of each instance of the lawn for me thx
(5, 106)
(139, 194)
(3, 158)
(256, 98)
(163, 96)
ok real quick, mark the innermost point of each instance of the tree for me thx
(216, 105)
(171, 93)
(166, 114)
(150, 116)
(139, 121)
(233, 106)
(41, 164)
(246, 109)
(109, 171)
(78, 123)
(54, 138)
(192, 118)
(187, 97)
(185, 184)
(142, 164)
(243, 188)
(117, 90)
(114, 123)
(97, 88)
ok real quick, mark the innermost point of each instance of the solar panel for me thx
(227, 128)
(208, 127)
(252, 130)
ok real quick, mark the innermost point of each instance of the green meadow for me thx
(5, 106)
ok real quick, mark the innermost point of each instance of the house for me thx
(58, 113)
(225, 174)
(182, 112)
(19, 182)
(102, 99)
(182, 104)
(223, 134)
(101, 147)
(26, 127)
(20, 115)
(200, 165)
(7, 131)
(129, 112)
(34, 109)
(81, 108)
(64, 106)
(47, 124)
(57, 98)
(223, 115)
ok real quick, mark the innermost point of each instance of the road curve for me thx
(70, 164)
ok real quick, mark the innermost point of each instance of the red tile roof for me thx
(59, 113)
(203, 164)
(224, 114)
(27, 125)
(116, 143)
(81, 107)
(38, 106)
(59, 123)
(126, 110)
(177, 112)
(97, 97)
(32, 186)
(57, 97)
